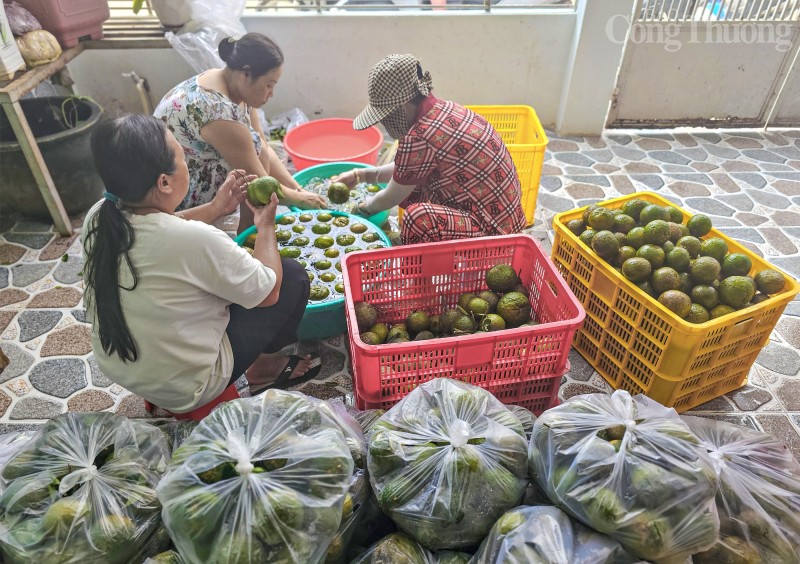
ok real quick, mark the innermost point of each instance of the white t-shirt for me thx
(189, 273)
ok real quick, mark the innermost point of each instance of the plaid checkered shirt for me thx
(456, 159)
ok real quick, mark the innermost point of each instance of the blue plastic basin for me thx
(320, 320)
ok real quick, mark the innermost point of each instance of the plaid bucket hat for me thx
(395, 80)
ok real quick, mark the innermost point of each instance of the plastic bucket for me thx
(70, 21)
(332, 140)
(66, 152)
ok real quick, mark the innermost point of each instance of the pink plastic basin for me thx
(332, 140)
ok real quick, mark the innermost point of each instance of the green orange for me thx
(261, 189)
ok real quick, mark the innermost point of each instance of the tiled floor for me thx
(748, 182)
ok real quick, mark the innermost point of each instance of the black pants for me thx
(268, 329)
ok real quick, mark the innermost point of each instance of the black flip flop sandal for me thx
(284, 382)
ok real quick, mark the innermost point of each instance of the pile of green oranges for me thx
(506, 304)
(689, 273)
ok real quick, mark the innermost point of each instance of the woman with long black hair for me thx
(173, 325)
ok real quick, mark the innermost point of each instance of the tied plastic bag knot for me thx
(717, 460)
(77, 477)
(237, 447)
(244, 467)
(630, 438)
(758, 498)
(459, 433)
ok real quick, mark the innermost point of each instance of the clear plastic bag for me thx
(398, 548)
(10, 445)
(279, 125)
(359, 490)
(262, 479)
(351, 430)
(374, 525)
(367, 418)
(352, 514)
(166, 557)
(526, 417)
(630, 468)
(158, 543)
(547, 535)
(20, 20)
(446, 462)
(212, 21)
(83, 490)
(177, 432)
(450, 557)
(758, 499)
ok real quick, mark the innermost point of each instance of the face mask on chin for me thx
(396, 123)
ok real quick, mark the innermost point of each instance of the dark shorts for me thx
(268, 329)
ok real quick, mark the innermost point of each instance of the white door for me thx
(786, 112)
(719, 63)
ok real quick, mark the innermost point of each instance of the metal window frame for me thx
(121, 9)
(687, 11)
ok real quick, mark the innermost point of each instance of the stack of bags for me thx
(448, 475)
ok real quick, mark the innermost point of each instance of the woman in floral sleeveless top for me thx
(213, 117)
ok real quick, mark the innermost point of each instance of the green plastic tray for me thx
(327, 170)
(327, 319)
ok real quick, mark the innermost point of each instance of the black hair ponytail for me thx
(130, 153)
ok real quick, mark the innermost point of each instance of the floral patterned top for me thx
(186, 109)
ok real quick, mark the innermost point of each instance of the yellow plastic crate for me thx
(526, 140)
(638, 345)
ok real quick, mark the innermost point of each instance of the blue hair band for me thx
(111, 197)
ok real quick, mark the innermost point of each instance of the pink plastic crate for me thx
(520, 366)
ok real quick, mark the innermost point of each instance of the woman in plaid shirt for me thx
(452, 173)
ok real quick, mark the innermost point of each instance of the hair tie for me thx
(231, 40)
(111, 197)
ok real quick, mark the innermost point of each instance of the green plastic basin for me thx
(327, 170)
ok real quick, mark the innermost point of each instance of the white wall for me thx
(98, 73)
(542, 58)
(592, 74)
(474, 59)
